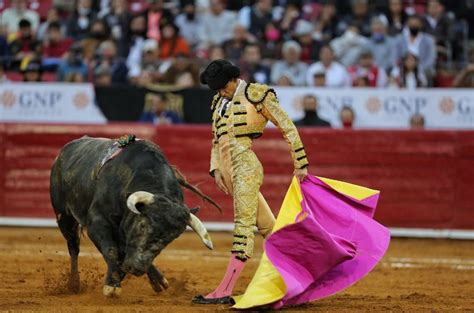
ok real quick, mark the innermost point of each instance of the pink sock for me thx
(234, 268)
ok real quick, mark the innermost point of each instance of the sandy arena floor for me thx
(415, 276)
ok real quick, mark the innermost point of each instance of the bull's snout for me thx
(134, 268)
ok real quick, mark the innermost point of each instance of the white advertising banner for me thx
(49, 103)
(386, 108)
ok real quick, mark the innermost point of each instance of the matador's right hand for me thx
(220, 181)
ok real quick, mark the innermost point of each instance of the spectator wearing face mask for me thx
(366, 73)
(24, 44)
(382, 45)
(311, 117)
(99, 32)
(79, 22)
(347, 117)
(74, 63)
(55, 45)
(310, 47)
(107, 57)
(413, 40)
(189, 22)
(136, 41)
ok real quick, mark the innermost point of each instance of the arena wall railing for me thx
(425, 177)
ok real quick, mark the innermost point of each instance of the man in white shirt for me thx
(217, 25)
(335, 74)
(18, 11)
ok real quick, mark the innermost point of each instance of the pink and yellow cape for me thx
(325, 239)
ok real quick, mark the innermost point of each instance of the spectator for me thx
(74, 63)
(310, 47)
(319, 78)
(335, 74)
(52, 17)
(348, 47)
(31, 70)
(107, 56)
(396, 17)
(156, 16)
(79, 22)
(290, 67)
(54, 45)
(367, 70)
(156, 111)
(147, 72)
(183, 73)
(326, 24)
(216, 52)
(171, 43)
(217, 25)
(75, 77)
(24, 43)
(292, 13)
(117, 22)
(135, 42)
(271, 43)
(256, 17)
(359, 18)
(409, 75)
(436, 22)
(4, 50)
(189, 22)
(3, 77)
(11, 17)
(417, 121)
(99, 32)
(465, 79)
(347, 117)
(234, 47)
(382, 45)
(251, 68)
(311, 118)
(413, 40)
(103, 76)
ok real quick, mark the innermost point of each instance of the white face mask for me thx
(350, 34)
(83, 11)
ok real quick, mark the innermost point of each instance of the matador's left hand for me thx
(301, 173)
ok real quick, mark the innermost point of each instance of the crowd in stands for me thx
(338, 43)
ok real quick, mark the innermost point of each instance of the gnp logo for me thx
(396, 105)
(447, 105)
(81, 100)
(7, 99)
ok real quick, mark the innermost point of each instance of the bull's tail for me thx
(183, 182)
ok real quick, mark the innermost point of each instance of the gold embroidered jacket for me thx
(251, 108)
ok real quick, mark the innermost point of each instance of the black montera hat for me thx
(218, 73)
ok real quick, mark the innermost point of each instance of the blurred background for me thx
(380, 90)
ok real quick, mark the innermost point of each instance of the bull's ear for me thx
(194, 210)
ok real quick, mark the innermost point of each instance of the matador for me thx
(240, 113)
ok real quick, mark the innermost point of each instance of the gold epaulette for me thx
(256, 94)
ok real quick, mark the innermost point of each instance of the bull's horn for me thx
(199, 228)
(139, 197)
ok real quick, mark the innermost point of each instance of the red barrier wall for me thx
(426, 177)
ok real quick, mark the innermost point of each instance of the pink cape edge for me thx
(335, 245)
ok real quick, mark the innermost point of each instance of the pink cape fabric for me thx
(334, 244)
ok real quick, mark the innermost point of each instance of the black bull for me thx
(132, 207)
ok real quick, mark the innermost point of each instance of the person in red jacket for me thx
(172, 43)
(55, 45)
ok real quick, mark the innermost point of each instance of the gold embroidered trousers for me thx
(243, 175)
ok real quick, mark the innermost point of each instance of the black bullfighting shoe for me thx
(202, 300)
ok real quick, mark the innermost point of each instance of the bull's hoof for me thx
(160, 286)
(111, 291)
